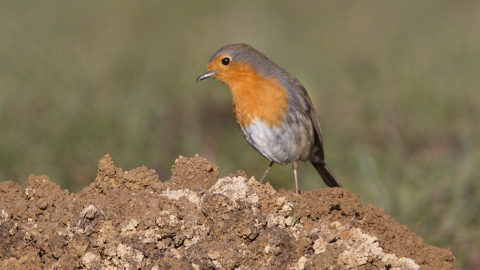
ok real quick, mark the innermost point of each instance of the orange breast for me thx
(255, 96)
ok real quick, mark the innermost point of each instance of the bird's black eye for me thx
(226, 61)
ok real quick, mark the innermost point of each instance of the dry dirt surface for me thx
(197, 220)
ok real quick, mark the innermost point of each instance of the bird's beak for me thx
(206, 75)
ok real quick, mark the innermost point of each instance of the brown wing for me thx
(317, 158)
(318, 131)
(317, 151)
(301, 99)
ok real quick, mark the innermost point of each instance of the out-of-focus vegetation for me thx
(396, 86)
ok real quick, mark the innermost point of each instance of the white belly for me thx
(290, 142)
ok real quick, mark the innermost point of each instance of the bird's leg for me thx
(295, 166)
(266, 171)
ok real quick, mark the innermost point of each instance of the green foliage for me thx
(396, 86)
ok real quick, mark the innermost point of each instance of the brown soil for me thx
(196, 220)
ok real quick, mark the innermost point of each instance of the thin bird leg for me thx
(295, 166)
(266, 171)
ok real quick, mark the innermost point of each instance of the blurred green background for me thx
(396, 86)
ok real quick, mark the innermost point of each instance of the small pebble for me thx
(42, 204)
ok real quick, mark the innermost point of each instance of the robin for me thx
(272, 109)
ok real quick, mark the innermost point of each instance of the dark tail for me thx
(326, 175)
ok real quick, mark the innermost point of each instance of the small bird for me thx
(272, 109)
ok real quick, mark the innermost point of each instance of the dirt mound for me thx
(131, 220)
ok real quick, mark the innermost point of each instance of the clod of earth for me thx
(197, 220)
